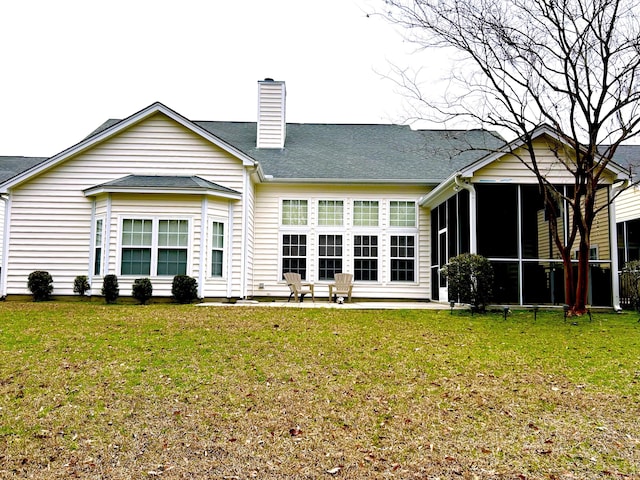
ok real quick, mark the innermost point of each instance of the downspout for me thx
(613, 248)
(6, 199)
(473, 217)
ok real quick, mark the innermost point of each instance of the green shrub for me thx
(184, 289)
(40, 284)
(110, 288)
(470, 278)
(81, 285)
(142, 290)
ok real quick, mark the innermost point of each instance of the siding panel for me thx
(52, 206)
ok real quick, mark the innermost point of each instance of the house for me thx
(627, 207)
(237, 204)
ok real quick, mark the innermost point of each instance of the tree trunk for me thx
(569, 280)
(582, 286)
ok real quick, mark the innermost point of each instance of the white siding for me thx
(2, 209)
(267, 266)
(51, 217)
(628, 205)
(510, 168)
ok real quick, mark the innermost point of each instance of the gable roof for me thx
(456, 179)
(163, 184)
(113, 128)
(327, 153)
(359, 152)
(540, 131)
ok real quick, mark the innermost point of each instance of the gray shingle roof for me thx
(165, 182)
(361, 152)
(627, 156)
(12, 166)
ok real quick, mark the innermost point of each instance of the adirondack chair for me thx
(342, 286)
(298, 288)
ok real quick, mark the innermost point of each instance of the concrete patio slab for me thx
(344, 306)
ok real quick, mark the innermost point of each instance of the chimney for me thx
(272, 127)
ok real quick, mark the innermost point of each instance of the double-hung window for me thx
(137, 242)
(402, 254)
(97, 247)
(403, 258)
(365, 257)
(217, 249)
(294, 221)
(154, 247)
(329, 256)
(173, 244)
(294, 254)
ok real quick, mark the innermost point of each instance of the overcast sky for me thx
(68, 65)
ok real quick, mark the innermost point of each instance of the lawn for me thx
(181, 391)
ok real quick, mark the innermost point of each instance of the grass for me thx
(174, 391)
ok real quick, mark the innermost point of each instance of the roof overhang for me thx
(618, 172)
(132, 184)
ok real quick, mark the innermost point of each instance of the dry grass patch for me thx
(170, 391)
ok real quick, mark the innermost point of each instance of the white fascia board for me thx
(91, 192)
(442, 192)
(117, 128)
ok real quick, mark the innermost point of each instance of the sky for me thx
(69, 65)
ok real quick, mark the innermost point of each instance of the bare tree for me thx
(570, 64)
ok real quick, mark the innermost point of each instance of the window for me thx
(329, 256)
(97, 248)
(173, 241)
(402, 258)
(294, 212)
(365, 213)
(154, 247)
(136, 247)
(402, 214)
(365, 257)
(294, 254)
(217, 248)
(330, 212)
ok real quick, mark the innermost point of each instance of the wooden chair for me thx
(342, 286)
(298, 288)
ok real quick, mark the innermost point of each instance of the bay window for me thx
(154, 247)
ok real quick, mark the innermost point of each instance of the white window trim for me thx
(345, 205)
(281, 201)
(225, 248)
(353, 214)
(406, 232)
(155, 219)
(343, 257)
(415, 214)
(368, 233)
(96, 246)
(297, 231)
